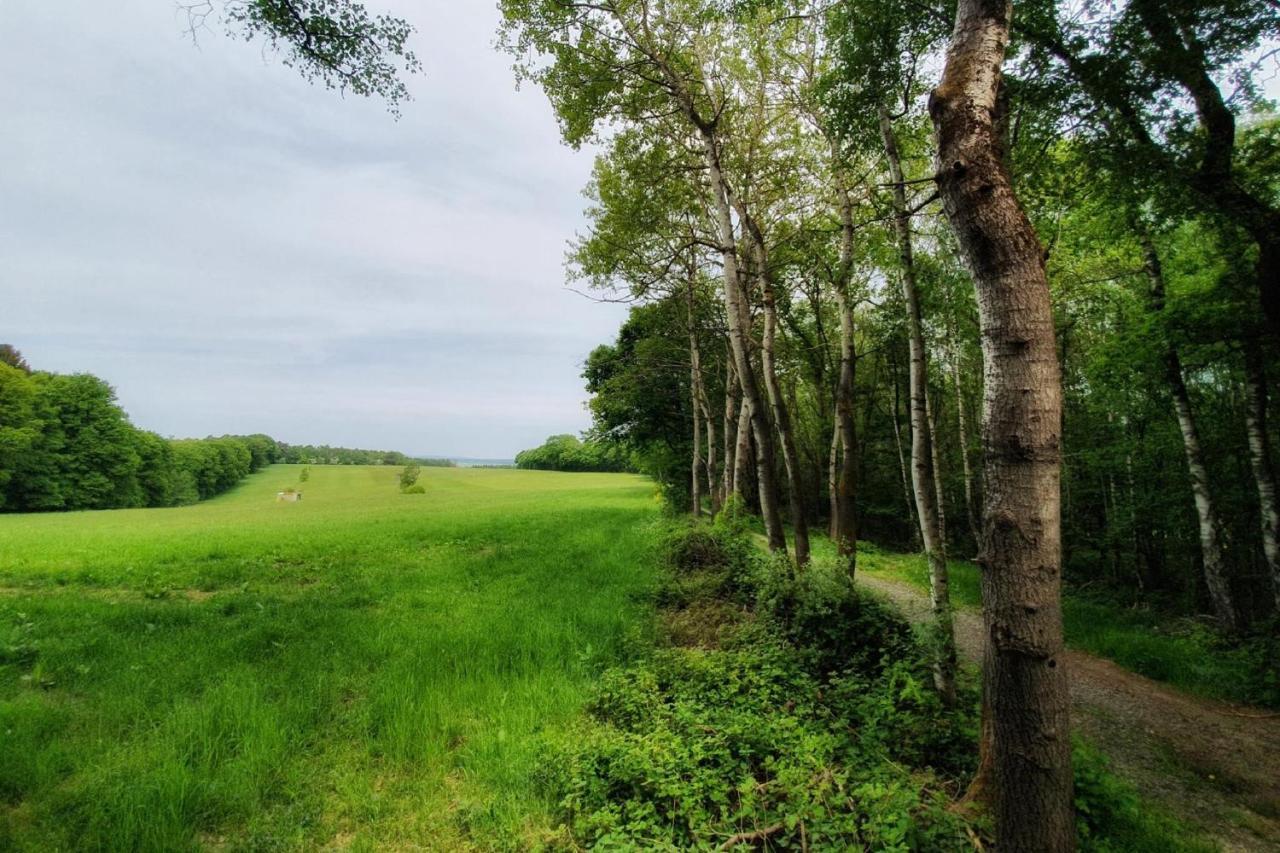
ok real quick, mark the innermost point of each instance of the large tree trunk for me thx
(1213, 560)
(739, 340)
(1025, 680)
(1264, 475)
(923, 451)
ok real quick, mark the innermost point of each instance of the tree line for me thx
(570, 453)
(65, 444)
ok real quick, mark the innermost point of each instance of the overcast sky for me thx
(236, 251)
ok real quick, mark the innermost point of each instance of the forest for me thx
(949, 278)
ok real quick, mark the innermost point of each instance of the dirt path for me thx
(1215, 765)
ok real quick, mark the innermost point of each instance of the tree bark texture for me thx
(1025, 680)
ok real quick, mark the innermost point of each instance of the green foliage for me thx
(335, 42)
(1112, 818)
(789, 725)
(415, 489)
(569, 453)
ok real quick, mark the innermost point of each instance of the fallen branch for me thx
(747, 837)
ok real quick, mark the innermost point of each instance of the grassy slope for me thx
(1138, 639)
(363, 667)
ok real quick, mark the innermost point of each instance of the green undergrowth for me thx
(789, 712)
(802, 717)
(1179, 651)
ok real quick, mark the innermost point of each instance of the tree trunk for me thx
(923, 450)
(730, 437)
(833, 485)
(935, 453)
(1264, 475)
(908, 494)
(742, 454)
(970, 507)
(1216, 577)
(738, 339)
(1024, 680)
(846, 514)
(712, 460)
(696, 400)
(781, 417)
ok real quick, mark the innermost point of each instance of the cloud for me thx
(235, 250)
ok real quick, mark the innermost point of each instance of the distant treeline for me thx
(569, 453)
(66, 445)
(309, 454)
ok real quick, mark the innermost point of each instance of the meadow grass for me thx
(1180, 652)
(361, 669)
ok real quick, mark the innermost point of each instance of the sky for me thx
(236, 251)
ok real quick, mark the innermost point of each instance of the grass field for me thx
(360, 669)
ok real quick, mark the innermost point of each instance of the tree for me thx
(336, 43)
(9, 355)
(1024, 676)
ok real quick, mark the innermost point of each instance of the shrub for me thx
(692, 747)
(415, 489)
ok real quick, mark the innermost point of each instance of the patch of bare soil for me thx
(1213, 764)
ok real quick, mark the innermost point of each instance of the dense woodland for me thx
(65, 444)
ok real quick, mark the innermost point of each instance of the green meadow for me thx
(362, 669)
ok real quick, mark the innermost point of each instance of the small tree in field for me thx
(409, 476)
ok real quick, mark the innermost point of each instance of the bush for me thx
(692, 747)
(814, 721)
(415, 489)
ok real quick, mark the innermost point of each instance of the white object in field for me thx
(289, 497)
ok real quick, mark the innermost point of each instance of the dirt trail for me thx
(1215, 765)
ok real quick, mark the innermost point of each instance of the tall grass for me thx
(361, 668)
